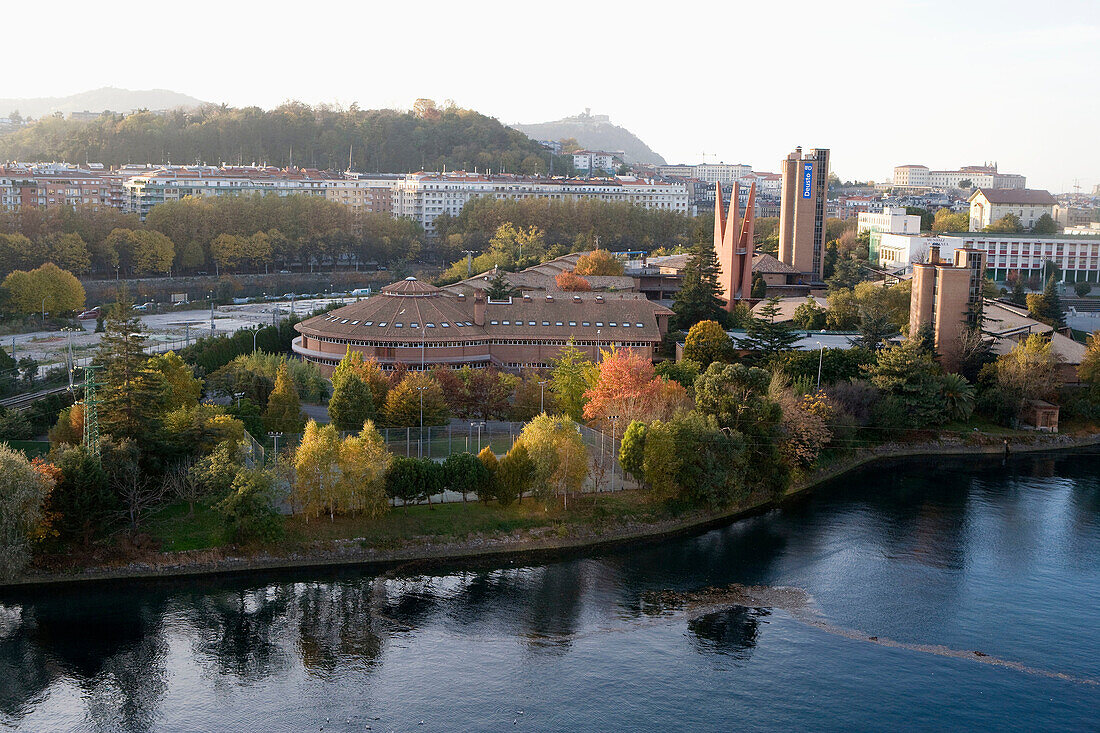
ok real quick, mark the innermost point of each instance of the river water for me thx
(897, 575)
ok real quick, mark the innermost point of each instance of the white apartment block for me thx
(987, 176)
(423, 197)
(892, 219)
(594, 160)
(709, 172)
(899, 251)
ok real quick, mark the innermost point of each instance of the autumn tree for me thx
(558, 453)
(571, 282)
(1029, 371)
(317, 472)
(284, 411)
(403, 403)
(47, 286)
(1089, 369)
(598, 262)
(627, 386)
(23, 495)
(352, 400)
(364, 461)
(515, 475)
(491, 489)
(708, 342)
(182, 387)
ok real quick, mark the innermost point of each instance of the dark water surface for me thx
(936, 556)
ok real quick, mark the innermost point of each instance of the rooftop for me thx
(1015, 196)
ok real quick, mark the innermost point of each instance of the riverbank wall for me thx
(536, 545)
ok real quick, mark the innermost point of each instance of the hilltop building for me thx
(921, 177)
(421, 326)
(802, 217)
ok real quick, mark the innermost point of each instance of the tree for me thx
(950, 221)
(182, 387)
(836, 365)
(737, 396)
(809, 316)
(843, 312)
(284, 411)
(699, 296)
(632, 449)
(628, 387)
(804, 424)
(47, 286)
(570, 378)
(363, 461)
(974, 352)
(531, 395)
(660, 460)
(408, 479)
(572, 283)
(492, 487)
(515, 475)
(909, 376)
(499, 289)
(140, 494)
(875, 325)
(598, 262)
(1082, 288)
(317, 472)
(683, 372)
(1007, 224)
(250, 509)
(1089, 369)
(847, 273)
(767, 337)
(560, 458)
(1047, 306)
(24, 492)
(465, 473)
(707, 342)
(403, 402)
(959, 396)
(1045, 224)
(69, 252)
(1029, 371)
(352, 401)
(713, 461)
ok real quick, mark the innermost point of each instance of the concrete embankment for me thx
(538, 544)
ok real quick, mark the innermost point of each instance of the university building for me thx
(802, 215)
(948, 295)
(421, 326)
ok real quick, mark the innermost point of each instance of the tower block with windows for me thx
(733, 245)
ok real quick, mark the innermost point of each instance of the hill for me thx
(596, 133)
(100, 100)
(429, 138)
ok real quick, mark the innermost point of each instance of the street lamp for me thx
(254, 332)
(238, 395)
(820, 356)
(420, 437)
(275, 437)
(479, 426)
(542, 395)
(44, 311)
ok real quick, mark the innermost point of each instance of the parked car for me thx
(284, 272)
(90, 314)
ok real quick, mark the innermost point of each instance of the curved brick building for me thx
(413, 323)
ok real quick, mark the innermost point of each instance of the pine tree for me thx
(764, 335)
(284, 411)
(499, 287)
(698, 298)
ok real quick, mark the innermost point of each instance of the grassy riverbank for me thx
(179, 544)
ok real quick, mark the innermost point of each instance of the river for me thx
(878, 590)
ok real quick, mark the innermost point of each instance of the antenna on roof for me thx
(350, 147)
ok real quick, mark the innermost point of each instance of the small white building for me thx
(987, 205)
(593, 161)
(900, 251)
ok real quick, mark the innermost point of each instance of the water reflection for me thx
(911, 556)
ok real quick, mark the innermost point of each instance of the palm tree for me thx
(958, 394)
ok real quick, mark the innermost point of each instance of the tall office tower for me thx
(802, 212)
(948, 296)
(733, 245)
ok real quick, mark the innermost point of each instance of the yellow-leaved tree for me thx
(560, 458)
(364, 462)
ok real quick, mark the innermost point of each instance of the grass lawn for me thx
(446, 522)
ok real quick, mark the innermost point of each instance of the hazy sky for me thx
(939, 82)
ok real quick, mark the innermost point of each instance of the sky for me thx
(944, 83)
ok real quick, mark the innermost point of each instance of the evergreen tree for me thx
(499, 287)
(352, 401)
(284, 411)
(698, 298)
(767, 337)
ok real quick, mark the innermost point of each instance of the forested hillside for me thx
(426, 138)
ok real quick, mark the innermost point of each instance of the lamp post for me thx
(211, 312)
(479, 426)
(420, 436)
(275, 437)
(820, 356)
(44, 312)
(254, 332)
(542, 395)
(614, 421)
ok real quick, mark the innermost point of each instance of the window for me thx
(640, 325)
(370, 323)
(507, 323)
(612, 324)
(494, 323)
(546, 323)
(431, 325)
(572, 323)
(530, 323)
(599, 324)
(585, 323)
(355, 323)
(414, 324)
(383, 324)
(398, 325)
(445, 324)
(558, 323)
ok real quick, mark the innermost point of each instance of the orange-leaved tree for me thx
(571, 283)
(628, 386)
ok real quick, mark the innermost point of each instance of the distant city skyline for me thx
(918, 81)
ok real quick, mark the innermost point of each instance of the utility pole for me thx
(91, 416)
(542, 395)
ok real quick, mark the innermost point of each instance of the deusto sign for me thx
(807, 180)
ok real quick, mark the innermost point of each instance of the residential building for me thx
(1066, 216)
(51, 185)
(361, 192)
(708, 172)
(897, 252)
(948, 295)
(802, 218)
(421, 326)
(424, 196)
(594, 161)
(987, 205)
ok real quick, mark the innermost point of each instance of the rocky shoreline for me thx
(540, 543)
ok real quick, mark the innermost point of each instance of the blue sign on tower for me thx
(807, 180)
